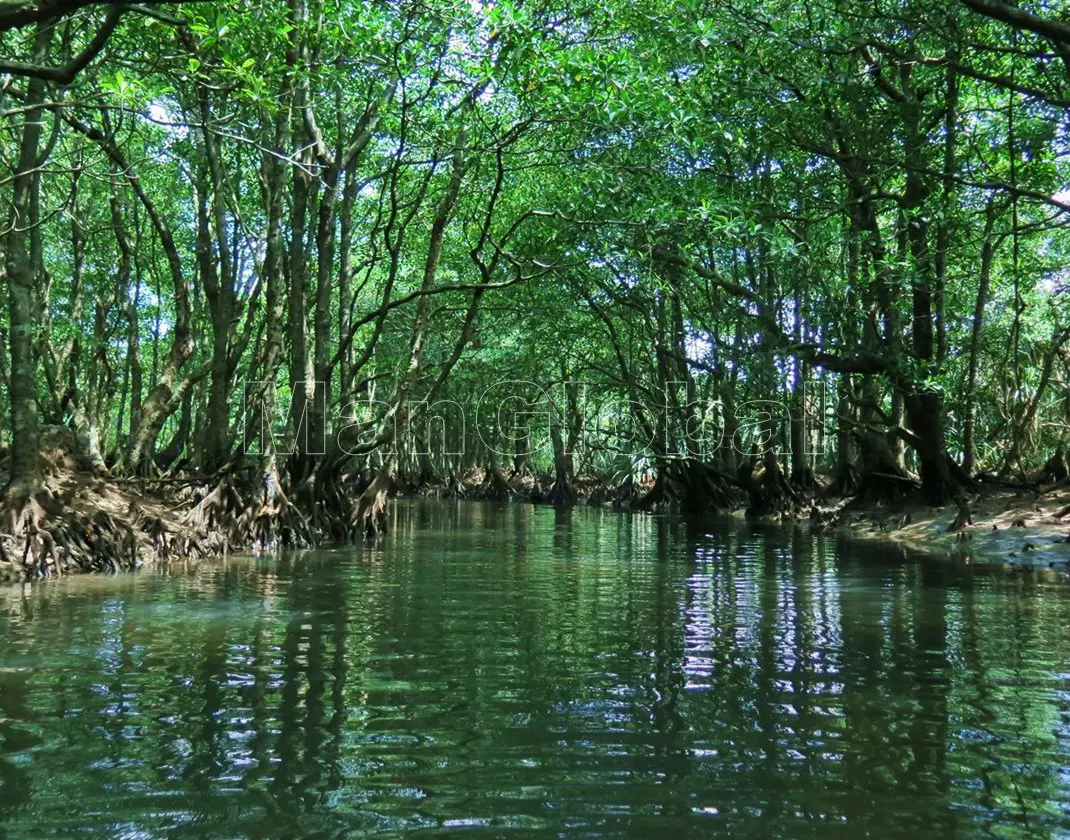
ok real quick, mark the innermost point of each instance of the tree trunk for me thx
(220, 305)
(562, 492)
(300, 375)
(924, 406)
(845, 476)
(940, 479)
(218, 277)
(25, 479)
(983, 282)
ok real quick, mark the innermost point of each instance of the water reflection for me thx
(497, 667)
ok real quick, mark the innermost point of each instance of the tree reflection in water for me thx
(515, 666)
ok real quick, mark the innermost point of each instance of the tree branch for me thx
(18, 13)
(66, 75)
(1021, 19)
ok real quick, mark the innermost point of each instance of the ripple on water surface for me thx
(507, 669)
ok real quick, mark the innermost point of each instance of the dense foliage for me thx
(730, 245)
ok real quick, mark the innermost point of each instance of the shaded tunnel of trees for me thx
(249, 249)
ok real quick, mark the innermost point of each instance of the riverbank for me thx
(84, 520)
(1000, 525)
(1009, 527)
(87, 521)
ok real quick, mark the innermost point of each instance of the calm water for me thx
(506, 670)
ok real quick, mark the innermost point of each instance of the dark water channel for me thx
(494, 671)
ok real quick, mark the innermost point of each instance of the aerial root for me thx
(45, 533)
(45, 536)
(370, 511)
(496, 486)
(234, 516)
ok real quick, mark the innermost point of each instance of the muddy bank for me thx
(87, 521)
(1012, 528)
(1016, 528)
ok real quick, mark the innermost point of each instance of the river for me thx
(507, 670)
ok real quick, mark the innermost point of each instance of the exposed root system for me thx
(496, 487)
(80, 523)
(244, 516)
